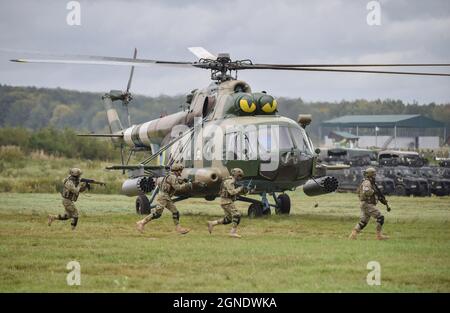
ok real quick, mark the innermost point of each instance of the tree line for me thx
(36, 108)
(57, 142)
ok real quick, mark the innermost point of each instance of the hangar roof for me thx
(401, 120)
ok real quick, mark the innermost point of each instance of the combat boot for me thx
(51, 218)
(211, 225)
(353, 235)
(380, 236)
(140, 226)
(234, 234)
(181, 230)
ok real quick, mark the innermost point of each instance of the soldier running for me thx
(229, 193)
(367, 196)
(71, 190)
(167, 188)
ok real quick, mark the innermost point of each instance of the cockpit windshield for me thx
(302, 141)
(250, 142)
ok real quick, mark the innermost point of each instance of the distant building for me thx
(385, 131)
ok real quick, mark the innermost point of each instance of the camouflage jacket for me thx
(171, 184)
(228, 190)
(366, 192)
(72, 189)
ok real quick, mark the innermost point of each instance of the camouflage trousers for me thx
(163, 202)
(369, 210)
(71, 212)
(232, 215)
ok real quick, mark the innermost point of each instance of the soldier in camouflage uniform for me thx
(367, 196)
(228, 193)
(71, 190)
(167, 188)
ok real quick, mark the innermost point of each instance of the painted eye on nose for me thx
(247, 105)
(267, 104)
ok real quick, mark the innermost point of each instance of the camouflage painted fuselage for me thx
(232, 127)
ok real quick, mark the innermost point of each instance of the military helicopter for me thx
(225, 125)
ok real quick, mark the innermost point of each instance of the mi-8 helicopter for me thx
(225, 125)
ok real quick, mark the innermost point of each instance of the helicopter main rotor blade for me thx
(131, 72)
(103, 60)
(338, 70)
(202, 53)
(357, 65)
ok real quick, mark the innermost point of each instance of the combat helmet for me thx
(76, 172)
(177, 167)
(237, 172)
(370, 172)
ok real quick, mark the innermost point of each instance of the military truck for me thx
(405, 158)
(439, 186)
(406, 182)
(349, 180)
(349, 156)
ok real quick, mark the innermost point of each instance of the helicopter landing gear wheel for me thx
(255, 210)
(142, 205)
(283, 204)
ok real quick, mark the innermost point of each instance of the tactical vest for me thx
(369, 199)
(165, 187)
(67, 194)
(224, 192)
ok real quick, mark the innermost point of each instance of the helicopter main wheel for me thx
(255, 210)
(283, 204)
(142, 205)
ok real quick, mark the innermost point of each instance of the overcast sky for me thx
(330, 31)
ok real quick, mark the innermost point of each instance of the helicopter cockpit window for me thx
(284, 138)
(301, 140)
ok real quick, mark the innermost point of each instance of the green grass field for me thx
(305, 252)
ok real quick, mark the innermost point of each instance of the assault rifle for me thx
(381, 197)
(89, 181)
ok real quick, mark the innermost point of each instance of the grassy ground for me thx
(307, 251)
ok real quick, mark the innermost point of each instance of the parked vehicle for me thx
(396, 158)
(349, 156)
(406, 182)
(439, 185)
(349, 180)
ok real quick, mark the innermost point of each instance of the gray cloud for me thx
(265, 31)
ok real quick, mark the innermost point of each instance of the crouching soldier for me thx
(367, 196)
(71, 190)
(167, 188)
(228, 194)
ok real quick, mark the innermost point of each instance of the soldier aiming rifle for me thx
(72, 186)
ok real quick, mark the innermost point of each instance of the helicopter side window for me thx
(232, 146)
(265, 140)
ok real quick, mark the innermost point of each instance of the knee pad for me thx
(176, 215)
(236, 219)
(226, 220)
(362, 224)
(156, 215)
(63, 217)
(74, 221)
(380, 220)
